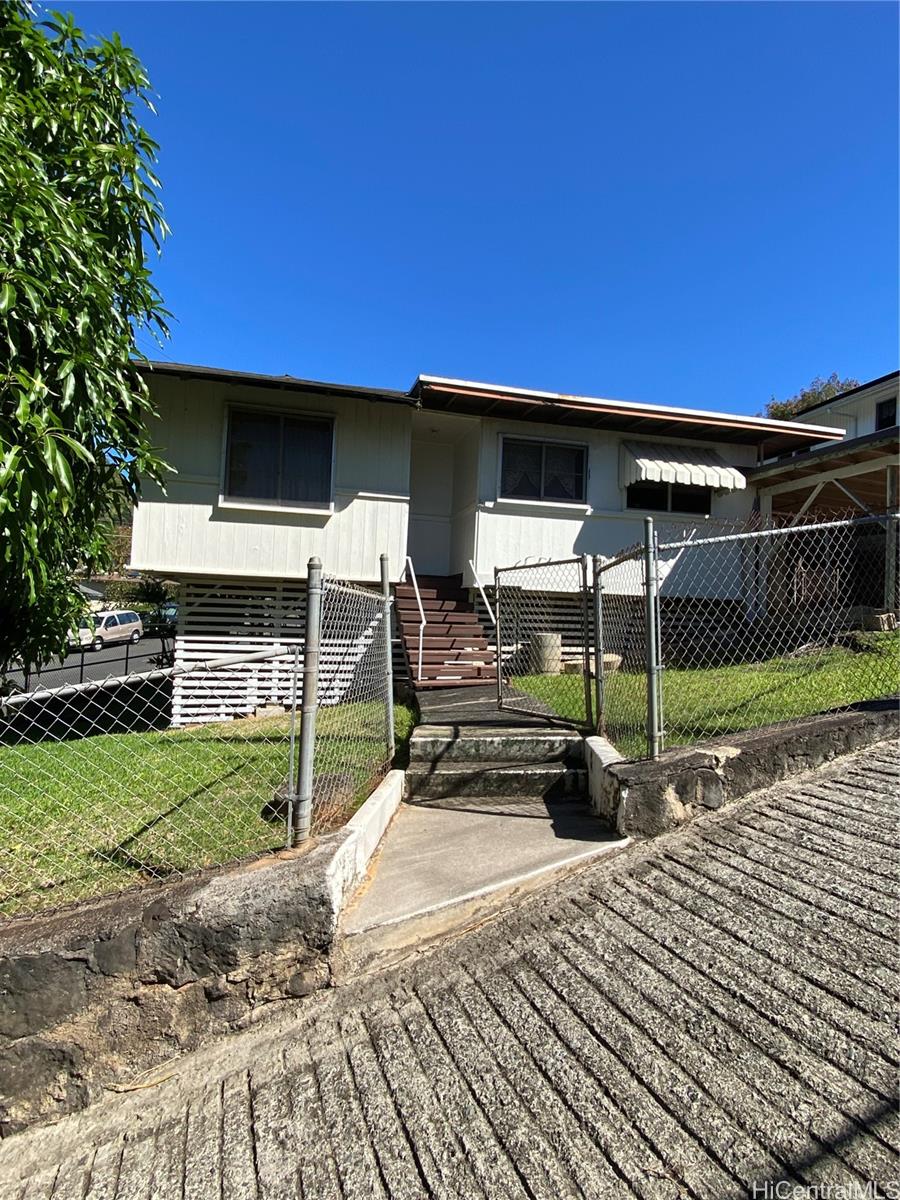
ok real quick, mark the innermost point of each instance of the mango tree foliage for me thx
(79, 212)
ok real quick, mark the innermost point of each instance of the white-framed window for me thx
(283, 459)
(669, 497)
(531, 469)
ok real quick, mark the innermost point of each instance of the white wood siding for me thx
(188, 532)
(855, 415)
(511, 531)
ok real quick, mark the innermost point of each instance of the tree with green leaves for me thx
(79, 214)
(817, 392)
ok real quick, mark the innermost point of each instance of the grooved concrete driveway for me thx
(706, 1012)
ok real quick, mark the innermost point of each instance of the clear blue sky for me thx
(679, 203)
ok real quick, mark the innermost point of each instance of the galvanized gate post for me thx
(586, 623)
(309, 702)
(651, 629)
(599, 682)
(498, 637)
(388, 655)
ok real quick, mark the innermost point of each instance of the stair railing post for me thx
(388, 655)
(309, 702)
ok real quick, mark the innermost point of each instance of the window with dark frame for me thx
(886, 413)
(542, 471)
(669, 497)
(278, 458)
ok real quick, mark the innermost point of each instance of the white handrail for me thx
(483, 596)
(411, 575)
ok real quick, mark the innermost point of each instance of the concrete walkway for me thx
(702, 1015)
(498, 808)
(433, 858)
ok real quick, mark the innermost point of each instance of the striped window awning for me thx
(652, 462)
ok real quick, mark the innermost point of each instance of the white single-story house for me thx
(450, 479)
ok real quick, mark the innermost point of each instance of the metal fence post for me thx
(498, 638)
(650, 635)
(599, 681)
(586, 621)
(291, 788)
(388, 655)
(309, 702)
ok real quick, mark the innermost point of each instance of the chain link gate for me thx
(545, 640)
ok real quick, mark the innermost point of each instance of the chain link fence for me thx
(99, 793)
(354, 731)
(103, 787)
(760, 627)
(619, 597)
(544, 639)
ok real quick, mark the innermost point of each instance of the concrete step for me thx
(514, 781)
(444, 743)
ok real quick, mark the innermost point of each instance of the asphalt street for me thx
(703, 1015)
(120, 658)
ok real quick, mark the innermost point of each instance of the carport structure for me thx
(857, 474)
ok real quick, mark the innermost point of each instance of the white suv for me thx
(108, 627)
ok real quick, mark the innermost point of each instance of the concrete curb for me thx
(92, 995)
(366, 828)
(644, 799)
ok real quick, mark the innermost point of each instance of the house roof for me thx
(622, 416)
(467, 397)
(288, 383)
(854, 391)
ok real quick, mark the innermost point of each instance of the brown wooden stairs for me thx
(456, 649)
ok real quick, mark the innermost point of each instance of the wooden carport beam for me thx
(806, 503)
(803, 481)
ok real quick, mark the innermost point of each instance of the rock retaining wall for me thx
(92, 995)
(646, 798)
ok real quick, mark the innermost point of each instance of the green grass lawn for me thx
(699, 704)
(98, 814)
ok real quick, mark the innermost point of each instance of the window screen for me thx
(670, 497)
(886, 413)
(278, 458)
(542, 471)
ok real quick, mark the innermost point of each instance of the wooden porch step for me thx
(479, 642)
(461, 629)
(457, 671)
(406, 604)
(424, 685)
(429, 654)
(434, 591)
(410, 616)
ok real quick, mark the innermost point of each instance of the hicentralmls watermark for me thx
(785, 1190)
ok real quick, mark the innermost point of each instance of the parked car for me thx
(107, 627)
(162, 620)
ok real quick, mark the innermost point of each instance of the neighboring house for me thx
(857, 474)
(454, 477)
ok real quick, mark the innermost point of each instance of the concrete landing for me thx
(477, 706)
(441, 870)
